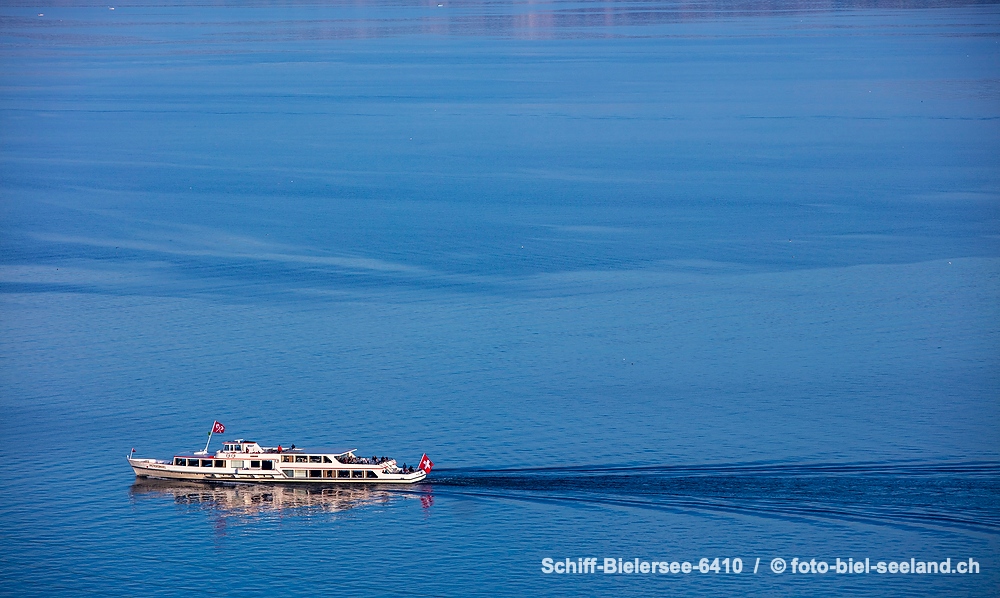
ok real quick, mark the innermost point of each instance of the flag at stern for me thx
(426, 464)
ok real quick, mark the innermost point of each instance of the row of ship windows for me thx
(330, 473)
(222, 463)
(305, 459)
(267, 464)
(284, 459)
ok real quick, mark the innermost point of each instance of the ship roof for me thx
(273, 451)
(321, 451)
(302, 451)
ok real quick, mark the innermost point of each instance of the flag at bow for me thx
(218, 428)
(426, 464)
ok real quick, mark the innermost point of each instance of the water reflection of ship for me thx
(252, 499)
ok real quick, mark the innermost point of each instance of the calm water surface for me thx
(655, 280)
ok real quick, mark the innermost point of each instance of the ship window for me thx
(180, 461)
(343, 474)
(286, 458)
(301, 459)
(206, 462)
(267, 464)
(316, 473)
(255, 464)
(192, 463)
(220, 463)
(300, 473)
(237, 464)
(326, 459)
(315, 459)
(372, 474)
(328, 473)
(359, 474)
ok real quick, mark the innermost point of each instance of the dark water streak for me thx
(938, 500)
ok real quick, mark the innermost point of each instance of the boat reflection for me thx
(260, 499)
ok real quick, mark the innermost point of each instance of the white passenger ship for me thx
(245, 460)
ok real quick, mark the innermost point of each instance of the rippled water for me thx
(654, 280)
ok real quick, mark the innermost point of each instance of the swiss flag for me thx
(426, 464)
(218, 428)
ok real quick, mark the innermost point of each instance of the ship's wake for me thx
(955, 495)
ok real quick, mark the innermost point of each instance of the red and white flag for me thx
(218, 428)
(425, 464)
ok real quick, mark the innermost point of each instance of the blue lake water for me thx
(653, 280)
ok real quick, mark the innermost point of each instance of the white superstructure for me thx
(245, 460)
